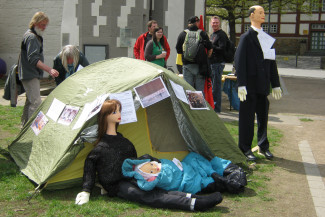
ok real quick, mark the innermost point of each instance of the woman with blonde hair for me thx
(67, 62)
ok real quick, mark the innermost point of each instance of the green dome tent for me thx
(54, 158)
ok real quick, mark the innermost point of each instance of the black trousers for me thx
(254, 104)
(157, 198)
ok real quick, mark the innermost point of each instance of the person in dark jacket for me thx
(254, 75)
(191, 70)
(68, 61)
(219, 42)
(31, 64)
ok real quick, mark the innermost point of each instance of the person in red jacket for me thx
(140, 44)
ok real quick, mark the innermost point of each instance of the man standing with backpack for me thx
(188, 43)
(217, 60)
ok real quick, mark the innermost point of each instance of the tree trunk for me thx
(232, 27)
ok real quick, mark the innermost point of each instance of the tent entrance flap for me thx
(164, 132)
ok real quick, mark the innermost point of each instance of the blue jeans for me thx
(192, 76)
(217, 70)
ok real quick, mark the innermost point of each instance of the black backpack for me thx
(229, 51)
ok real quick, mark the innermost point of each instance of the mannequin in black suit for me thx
(255, 72)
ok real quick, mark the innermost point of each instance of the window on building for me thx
(323, 5)
(315, 5)
(318, 26)
(246, 27)
(95, 53)
(273, 27)
(317, 41)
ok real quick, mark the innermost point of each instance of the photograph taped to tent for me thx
(151, 92)
(39, 123)
(68, 115)
(196, 99)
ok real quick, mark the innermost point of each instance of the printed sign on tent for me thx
(39, 123)
(128, 114)
(151, 92)
(196, 99)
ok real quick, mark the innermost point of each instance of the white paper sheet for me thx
(266, 42)
(128, 114)
(55, 109)
(269, 54)
(179, 91)
(89, 110)
(80, 67)
(83, 117)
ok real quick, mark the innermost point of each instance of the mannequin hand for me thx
(277, 93)
(242, 93)
(82, 198)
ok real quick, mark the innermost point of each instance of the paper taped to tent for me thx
(51, 148)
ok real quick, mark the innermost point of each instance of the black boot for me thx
(205, 202)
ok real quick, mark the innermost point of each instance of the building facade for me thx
(102, 29)
(296, 32)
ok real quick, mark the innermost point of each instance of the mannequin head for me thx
(256, 15)
(109, 118)
(148, 170)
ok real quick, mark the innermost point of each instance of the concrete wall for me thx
(14, 20)
(113, 23)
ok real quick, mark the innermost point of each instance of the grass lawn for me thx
(16, 189)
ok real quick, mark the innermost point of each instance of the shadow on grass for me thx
(8, 167)
(297, 166)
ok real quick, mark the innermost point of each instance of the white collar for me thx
(257, 30)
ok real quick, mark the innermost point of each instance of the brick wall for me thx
(14, 20)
